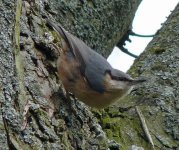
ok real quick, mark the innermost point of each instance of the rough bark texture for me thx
(158, 98)
(100, 23)
(34, 112)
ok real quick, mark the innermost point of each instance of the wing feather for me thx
(93, 66)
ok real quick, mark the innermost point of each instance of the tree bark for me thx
(157, 99)
(100, 23)
(35, 114)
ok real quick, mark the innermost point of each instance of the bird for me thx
(87, 74)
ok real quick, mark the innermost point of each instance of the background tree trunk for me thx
(34, 112)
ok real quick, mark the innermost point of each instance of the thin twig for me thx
(144, 126)
(127, 52)
(140, 35)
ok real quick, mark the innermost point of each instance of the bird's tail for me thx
(58, 28)
(69, 38)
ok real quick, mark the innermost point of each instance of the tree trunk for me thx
(35, 114)
(157, 100)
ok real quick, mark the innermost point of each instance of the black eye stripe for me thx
(117, 77)
(120, 79)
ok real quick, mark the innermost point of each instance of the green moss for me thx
(135, 69)
(116, 131)
(66, 141)
(56, 36)
(157, 50)
(18, 58)
(124, 128)
(42, 115)
(159, 66)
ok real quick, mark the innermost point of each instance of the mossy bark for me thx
(35, 114)
(158, 98)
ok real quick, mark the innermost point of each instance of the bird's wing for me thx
(72, 41)
(92, 65)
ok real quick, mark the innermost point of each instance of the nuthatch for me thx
(88, 75)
